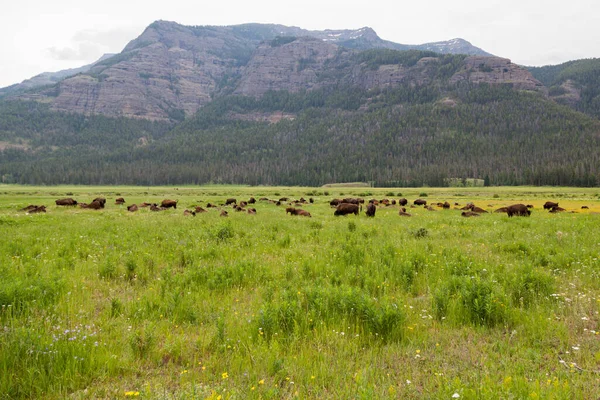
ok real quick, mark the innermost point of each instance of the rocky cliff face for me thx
(171, 70)
(495, 70)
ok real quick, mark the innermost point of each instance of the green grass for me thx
(104, 304)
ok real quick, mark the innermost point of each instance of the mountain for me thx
(171, 70)
(47, 78)
(574, 83)
(267, 104)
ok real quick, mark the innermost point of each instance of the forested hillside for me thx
(402, 136)
(574, 83)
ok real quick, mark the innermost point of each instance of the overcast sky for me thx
(50, 35)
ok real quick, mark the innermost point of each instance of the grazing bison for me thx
(229, 201)
(66, 202)
(519, 210)
(346, 208)
(585, 208)
(119, 201)
(187, 213)
(374, 201)
(200, 209)
(169, 203)
(132, 208)
(311, 200)
(252, 200)
(446, 205)
(284, 199)
(549, 205)
(420, 202)
(371, 210)
(350, 200)
(468, 214)
(223, 213)
(290, 210)
(403, 201)
(335, 202)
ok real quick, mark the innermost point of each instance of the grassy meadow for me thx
(157, 305)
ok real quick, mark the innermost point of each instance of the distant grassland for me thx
(112, 304)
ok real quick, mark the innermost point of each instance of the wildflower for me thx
(203, 368)
(261, 382)
(132, 393)
(252, 388)
(225, 375)
(455, 396)
(184, 372)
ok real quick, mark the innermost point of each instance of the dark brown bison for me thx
(311, 200)
(154, 207)
(230, 201)
(119, 201)
(100, 200)
(469, 206)
(94, 205)
(446, 205)
(351, 200)
(374, 201)
(239, 208)
(166, 203)
(478, 210)
(385, 202)
(144, 204)
(520, 210)
(290, 210)
(529, 206)
(549, 205)
(346, 208)
(557, 209)
(263, 199)
(199, 209)
(37, 209)
(278, 203)
(335, 202)
(403, 201)
(243, 203)
(223, 213)
(252, 211)
(209, 205)
(283, 199)
(252, 200)
(66, 202)
(420, 202)
(393, 202)
(468, 214)
(188, 213)
(585, 208)
(501, 210)
(371, 208)
(403, 213)
(132, 208)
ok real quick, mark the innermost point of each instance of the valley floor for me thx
(114, 304)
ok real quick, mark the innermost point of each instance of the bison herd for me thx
(341, 207)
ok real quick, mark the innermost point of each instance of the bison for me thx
(252, 211)
(94, 205)
(66, 202)
(519, 210)
(37, 209)
(29, 208)
(290, 210)
(187, 213)
(403, 213)
(371, 210)
(223, 213)
(154, 207)
(144, 204)
(468, 214)
(501, 210)
(230, 200)
(346, 208)
(335, 202)
(119, 201)
(549, 205)
(478, 210)
(403, 201)
(446, 205)
(100, 200)
(252, 200)
(557, 209)
(199, 209)
(132, 208)
(169, 203)
(420, 202)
